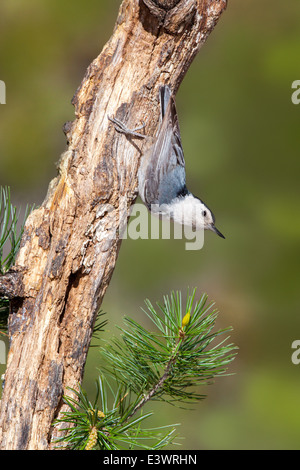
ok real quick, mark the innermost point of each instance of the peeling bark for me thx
(71, 242)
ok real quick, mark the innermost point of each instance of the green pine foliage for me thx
(170, 364)
(10, 230)
(99, 425)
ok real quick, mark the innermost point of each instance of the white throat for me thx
(186, 210)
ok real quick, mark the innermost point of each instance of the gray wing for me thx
(162, 176)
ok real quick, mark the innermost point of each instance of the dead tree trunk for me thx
(70, 244)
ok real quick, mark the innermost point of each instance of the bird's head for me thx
(206, 219)
(191, 211)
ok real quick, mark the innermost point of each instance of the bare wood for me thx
(71, 243)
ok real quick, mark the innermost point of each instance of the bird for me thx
(162, 175)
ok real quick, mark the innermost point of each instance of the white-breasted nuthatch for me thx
(162, 180)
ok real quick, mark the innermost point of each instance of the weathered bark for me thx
(71, 242)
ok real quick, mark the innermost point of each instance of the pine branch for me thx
(174, 359)
(165, 365)
(159, 385)
(86, 419)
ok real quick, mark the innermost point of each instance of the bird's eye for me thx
(204, 213)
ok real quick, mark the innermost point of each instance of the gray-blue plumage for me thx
(162, 170)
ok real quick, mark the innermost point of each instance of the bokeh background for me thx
(240, 133)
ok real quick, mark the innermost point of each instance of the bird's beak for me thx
(214, 229)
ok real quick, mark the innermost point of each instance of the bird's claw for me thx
(120, 127)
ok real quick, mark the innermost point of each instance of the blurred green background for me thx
(240, 133)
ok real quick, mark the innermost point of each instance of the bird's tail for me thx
(164, 97)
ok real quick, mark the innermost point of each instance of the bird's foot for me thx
(120, 127)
